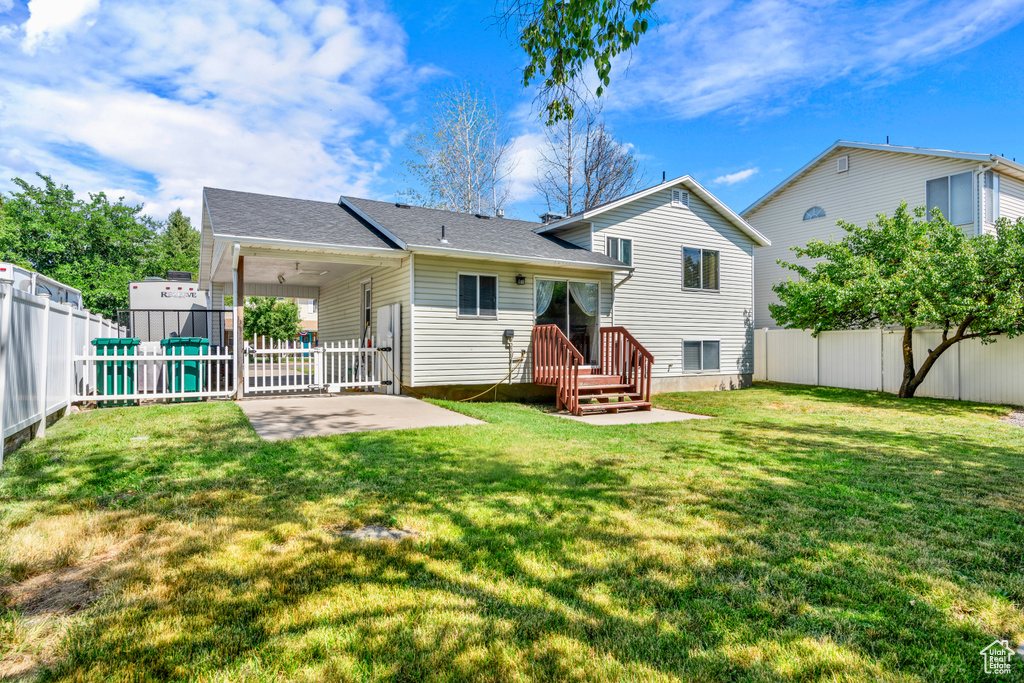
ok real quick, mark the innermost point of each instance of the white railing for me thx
(38, 338)
(289, 366)
(150, 372)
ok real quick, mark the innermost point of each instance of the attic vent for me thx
(680, 198)
(842, 164)
(400, 205)
(481, 215)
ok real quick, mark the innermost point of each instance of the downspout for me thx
(979, 214)
(615, 287)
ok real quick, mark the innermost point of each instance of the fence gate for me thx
(272, 366)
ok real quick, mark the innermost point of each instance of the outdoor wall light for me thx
(520, 279)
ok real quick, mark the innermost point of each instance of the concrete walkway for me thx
(634, 417)
(275, 419)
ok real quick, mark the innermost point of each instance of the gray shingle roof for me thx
(418, 226)
(260, 216)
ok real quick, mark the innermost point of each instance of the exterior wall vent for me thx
(843, 164)
(680, 198)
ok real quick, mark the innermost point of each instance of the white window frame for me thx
(682, 269)
(814, 218)
(618, 248)
(703, 370)
(949, 196)
(458, 295)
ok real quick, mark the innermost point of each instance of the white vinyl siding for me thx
(452, 350)
(651, 304)
(875, 183)
(1011, 198)
(579, 236)
(341, 312)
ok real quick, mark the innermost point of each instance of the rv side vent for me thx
(843, 164)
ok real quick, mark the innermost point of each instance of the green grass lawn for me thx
(804, 534)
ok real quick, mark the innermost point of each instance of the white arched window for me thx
(814, 212)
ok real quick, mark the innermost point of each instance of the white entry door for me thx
(388, 338)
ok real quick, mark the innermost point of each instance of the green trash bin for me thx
(115, 377)
(185, 375)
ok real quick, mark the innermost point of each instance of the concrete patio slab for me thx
(275, 419)
(634, 417)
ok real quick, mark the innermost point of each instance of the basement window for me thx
(478, 296)
(701, 355)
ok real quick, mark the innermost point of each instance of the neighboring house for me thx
(854, 181)
(670, 264)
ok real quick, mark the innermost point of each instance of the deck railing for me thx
(623, 355)
(556, 362)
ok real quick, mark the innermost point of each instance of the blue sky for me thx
(314, 99)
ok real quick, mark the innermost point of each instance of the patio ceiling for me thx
(266, 266)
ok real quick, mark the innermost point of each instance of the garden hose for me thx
(461, 400)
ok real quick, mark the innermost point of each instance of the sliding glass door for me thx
(575, 307)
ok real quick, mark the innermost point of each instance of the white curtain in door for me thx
(586, 295)
(545, 290)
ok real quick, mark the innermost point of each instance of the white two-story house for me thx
(855, 181)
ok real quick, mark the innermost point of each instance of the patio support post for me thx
(238, 302)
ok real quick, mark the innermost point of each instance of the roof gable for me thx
(685, 181)
(1012, 166)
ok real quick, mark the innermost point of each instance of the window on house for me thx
(478, 295)
(814, 212)
(367, 299)
(953, 196)
(621, 249)
(700, 268)
(991, 197)
(701, 355)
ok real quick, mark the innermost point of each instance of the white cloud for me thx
(766, 55)
(6, 6)
(737, 177)
(50, 20)
(156, 100)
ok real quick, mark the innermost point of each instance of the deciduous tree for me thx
(907, 272)
(563, 39)
(94, 245)
(461, 157)
(582, 165)
(266, 316)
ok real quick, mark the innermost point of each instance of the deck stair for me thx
(622, 381)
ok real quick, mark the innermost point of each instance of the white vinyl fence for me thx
(38, 339)
(873, 359)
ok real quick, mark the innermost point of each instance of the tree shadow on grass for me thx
(537, 561)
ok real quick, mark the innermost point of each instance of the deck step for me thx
(614, 407)
(590, 380)
(621, 394)
(606, 387)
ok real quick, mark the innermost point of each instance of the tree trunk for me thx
(907, 388)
